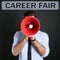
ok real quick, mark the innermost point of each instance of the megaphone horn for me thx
(30, 25)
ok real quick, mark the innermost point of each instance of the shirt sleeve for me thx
(45, 43)
(16, 39)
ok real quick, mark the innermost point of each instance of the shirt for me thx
(42, 38)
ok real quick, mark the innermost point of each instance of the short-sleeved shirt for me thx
(40, 36)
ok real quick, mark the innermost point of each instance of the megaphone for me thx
(30, 25)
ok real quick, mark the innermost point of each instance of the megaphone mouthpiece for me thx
(30, 26)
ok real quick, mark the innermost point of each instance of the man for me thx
(39, 43)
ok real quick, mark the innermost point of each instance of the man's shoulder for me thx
(19, 33)
(42, 33)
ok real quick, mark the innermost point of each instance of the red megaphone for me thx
(30, 25)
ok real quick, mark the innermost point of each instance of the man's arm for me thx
(43, 47)
(18, 48)
(40, 48)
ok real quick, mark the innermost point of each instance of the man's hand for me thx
(26, 37)
(32, 38)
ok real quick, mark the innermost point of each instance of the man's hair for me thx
(30, 13)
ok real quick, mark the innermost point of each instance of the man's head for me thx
(30, 13)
